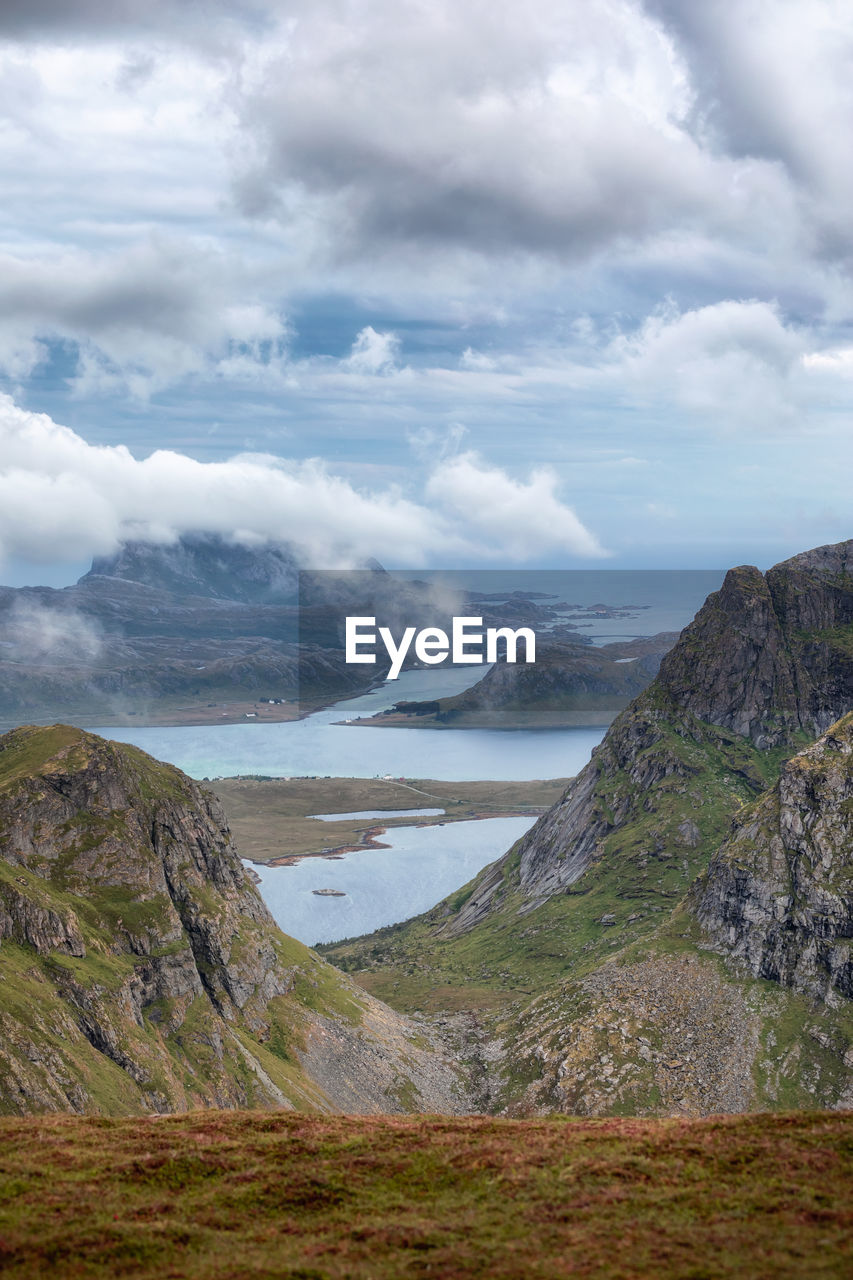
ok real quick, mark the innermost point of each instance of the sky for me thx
(443, 283)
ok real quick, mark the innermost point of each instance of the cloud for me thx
(33, 633)
(735, 363)
(373, 353)
(771, 80)
(562, 129)
(338, 228)
(838, 361)
(95, 18)
(143, 318)
(57, 491)
(556, 128)
(524, 519)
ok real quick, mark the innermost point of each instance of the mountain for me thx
(570, 683)
(778, 894)
(179, 633)
(206, 565)
(142, 972)
(609, 985)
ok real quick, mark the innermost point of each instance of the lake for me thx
(383, 886)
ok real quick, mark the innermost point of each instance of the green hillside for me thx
(141, 972)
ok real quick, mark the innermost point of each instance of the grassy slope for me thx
(643, 872)
(218, 1195)
(179, 1060)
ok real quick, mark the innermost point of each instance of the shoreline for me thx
(272, 819)
(499, 722)
(369, 836)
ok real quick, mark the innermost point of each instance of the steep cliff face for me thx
(766, 664)
(768, 655)
(779, 892)
(139, 968)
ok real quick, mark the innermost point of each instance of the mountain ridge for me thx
(141, 970)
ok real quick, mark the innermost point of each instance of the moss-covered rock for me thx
(779, 892)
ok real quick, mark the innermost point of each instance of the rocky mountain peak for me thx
(770, 654)
(767, 662)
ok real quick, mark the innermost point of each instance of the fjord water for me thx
(422, 864)
(382, 886)
(319, 747)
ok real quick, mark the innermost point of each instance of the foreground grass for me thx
(224, 1194)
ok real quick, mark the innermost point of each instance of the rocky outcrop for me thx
(732, 666)
(767, 660)
(140, 969)
(771, 654)
(666, 1036)
(779, 893)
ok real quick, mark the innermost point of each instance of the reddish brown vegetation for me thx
(220, 1194)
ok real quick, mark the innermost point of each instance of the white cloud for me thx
(733, 363)
(34, 633)
(373, 353)
(57, 491)
(555, 127)
(837, 361)
(144, 318)
(524, 519)
(493, 198)
(477, 360)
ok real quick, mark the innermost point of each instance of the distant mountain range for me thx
(163, 632)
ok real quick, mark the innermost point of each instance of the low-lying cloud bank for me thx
(64, 499)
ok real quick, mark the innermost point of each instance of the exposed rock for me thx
(140, 969)
(666, 1036)
(779, 893)
(766, 658)
(206, 565)
(770, 654)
